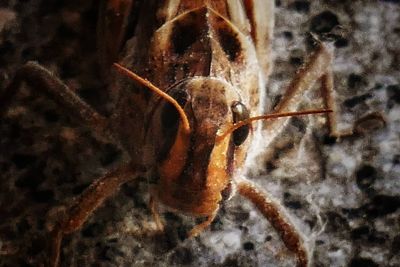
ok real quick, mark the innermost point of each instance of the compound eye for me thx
(170, 121)
(240, 113)
(170, 116)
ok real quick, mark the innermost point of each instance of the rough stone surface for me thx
(344, 195)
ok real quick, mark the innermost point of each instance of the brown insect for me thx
(207, 62)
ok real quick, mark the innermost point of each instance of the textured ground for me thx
(344, 195)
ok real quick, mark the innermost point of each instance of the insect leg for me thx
(275, 214)
(83, 207)
(45, 82)
(318, 68)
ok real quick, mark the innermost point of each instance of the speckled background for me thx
(344, 195)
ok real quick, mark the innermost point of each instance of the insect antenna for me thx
(155, 89)
(237, 125)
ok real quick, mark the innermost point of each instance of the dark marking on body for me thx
(229, 43)
(186, 32)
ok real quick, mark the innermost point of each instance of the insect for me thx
(207, 62)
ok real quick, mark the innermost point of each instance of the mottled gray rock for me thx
(344, 195)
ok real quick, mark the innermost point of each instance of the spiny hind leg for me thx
(84, 206)
(318, 68)
(278, 218)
